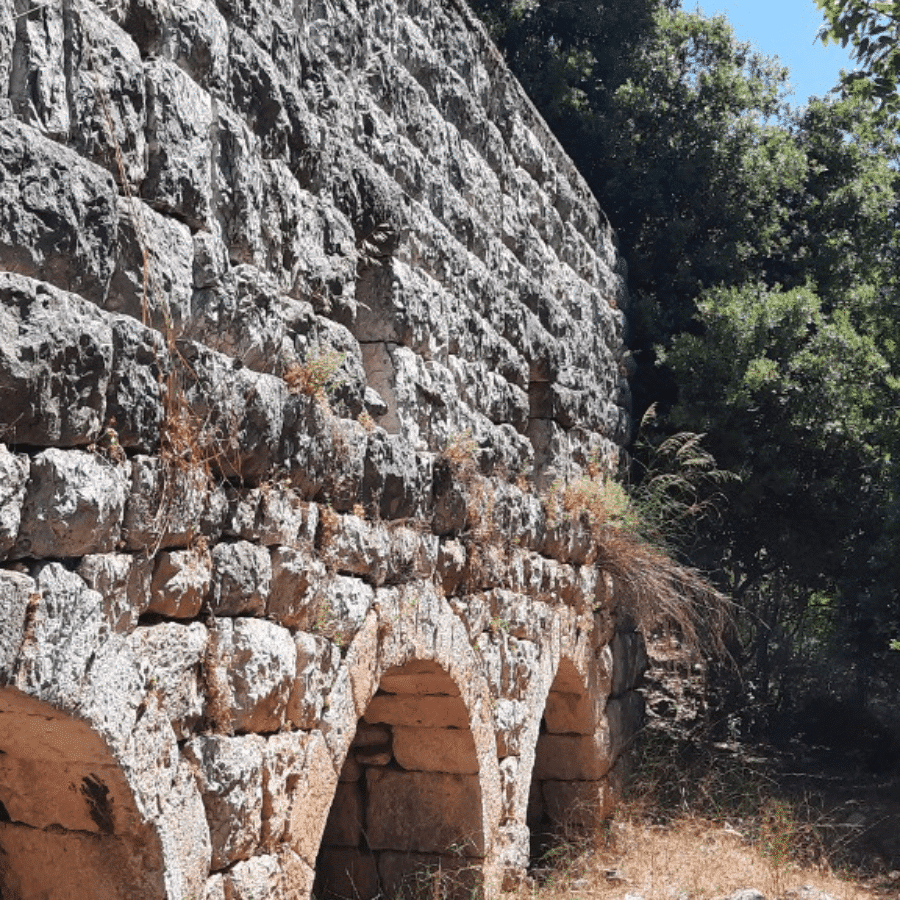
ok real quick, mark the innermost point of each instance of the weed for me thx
(461, 454)
(365, 419)
(316, 376)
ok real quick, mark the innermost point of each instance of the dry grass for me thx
(687, 859)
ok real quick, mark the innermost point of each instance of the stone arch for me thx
(96, 799)
(418, 792)
(569, 793)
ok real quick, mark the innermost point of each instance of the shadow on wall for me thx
(569, 796)
(407, 815)
(68, 823)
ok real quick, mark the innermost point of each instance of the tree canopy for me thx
(763, 262)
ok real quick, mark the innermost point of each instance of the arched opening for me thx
(407, 813)
(569, 795)
(68, 822)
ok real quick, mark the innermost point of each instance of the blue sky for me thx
(786, 29)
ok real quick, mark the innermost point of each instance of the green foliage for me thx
(872, 28)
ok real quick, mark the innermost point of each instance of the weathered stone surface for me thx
(241, 579)
(422, 712)
(58, 215)
(568, 713)
(170, 656)
(296, 574)
(55, 360)
(569, 757)
(400, 812)
(73, 504)
(260, 662)
(449, 750)
(344, 827)
(317, 664)
(14, 471)
(341, 604)
(272, 515)
(229, 773)
(181, 582)
(124, 584)
(283, 761)
(16, 592)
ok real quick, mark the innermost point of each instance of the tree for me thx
(873, 29)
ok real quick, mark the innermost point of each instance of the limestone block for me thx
(396, 479)
(295, 574)
(215, 888)
(256, 878)
(71, 657)
(37, 87)
(341, 605)
(73, 504)
(238, 315)
(413, 555)
(313, 794)
(55, 360)
(57, 212)
(169, 656)
(229, 772)
(576, 804)
(169, 505)
(307, 444)
(135, 399)
(424, 812)
(451, 565)
(344, 827)
(181, 582)
(196, 39)
(123, 582)
(154, 268)
(261, 668)
(106, 94)
(422, 712)
(15, 593)
(14, 471)
(510, 717)
(419, 676)
(357, 547)
(346, 872)
(318, 660)
(570, 757)
(239, 413)
(449, 750)
(351, 770)
(568, 713)
(283, 762)
(241, 579)
(179, 120)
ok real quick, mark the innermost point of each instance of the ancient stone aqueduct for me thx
(302, 309)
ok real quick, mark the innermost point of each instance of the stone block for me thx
(572, 757)
(229, 772)
(14, 471)
(283, 762)
(421, 712)
(313, 793)
(181, 582)
(256, 878)
(56, 355)
(629, 661)
(344, 827)
(342, 872)
(395, 481)
(170, 505)
(625, 715)
(341, 605)
(58, 213)
(356, 547)
(16, 591)
(179, 123)
(74, 504)
(271, 515)
(124, 583)
(153, 279)
(450, 750)
(424, 812)
(295, 575)
(318, 660)
(419, 676)
(241, 579)
(261, 665)
(568, 713)
(576, 805)
(169, 656)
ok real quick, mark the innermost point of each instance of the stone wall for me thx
(301, 310)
